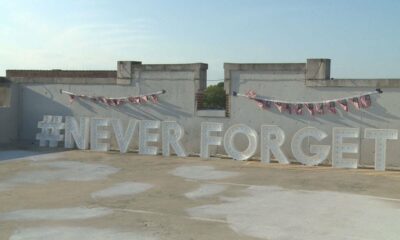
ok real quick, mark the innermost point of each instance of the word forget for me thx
(272, 138)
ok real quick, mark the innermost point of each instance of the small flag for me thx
(311, 108)
(299, 109)
(71, 98)
(121, 101)
(319, 108)
(143, 99)
(103, 100)
(288, 108)
(331, 107)
(110, 102)
(343, 103)
(278, 106)
(260, 103)
(356, 102)
(267, 104)
(133, 100)
(154, 98)
(365, 101)
(251, 94)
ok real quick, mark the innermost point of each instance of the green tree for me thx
(214, 97)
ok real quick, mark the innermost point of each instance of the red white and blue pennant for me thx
(359, 101)
(141, 99)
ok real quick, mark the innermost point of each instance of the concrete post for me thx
(125, 72)
(5, 92)
(200, 76)
(318, 69)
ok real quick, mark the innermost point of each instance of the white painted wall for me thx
(178, 103)
(8, 119)
(384, 113)
(36, 100)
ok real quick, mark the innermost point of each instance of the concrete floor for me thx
(88, 195)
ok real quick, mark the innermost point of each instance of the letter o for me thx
(229, 145)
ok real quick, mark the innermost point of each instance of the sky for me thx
(362, 37)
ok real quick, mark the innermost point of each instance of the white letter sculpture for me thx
(320, 151)
(51, 127)
(145, 137)
(123, 139)
(172, 133)
(268, 144)
(230, 146)
(206, 139)
(338, 147)
(79, 133)
(96, 134)
(380, 136)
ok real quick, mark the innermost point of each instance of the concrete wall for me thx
(38, 94)
(181, 81)
(8, 114)
(288, 82)
(5, 92)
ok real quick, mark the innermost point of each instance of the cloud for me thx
(31, 42)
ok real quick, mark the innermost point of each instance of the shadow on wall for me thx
(5, 93)
(164, 108)
(148, 111)
(33, 107)
(44, 101)
(376, 112)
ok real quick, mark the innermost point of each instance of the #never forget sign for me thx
(84, 130)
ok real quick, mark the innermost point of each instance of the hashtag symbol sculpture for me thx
(51, 127)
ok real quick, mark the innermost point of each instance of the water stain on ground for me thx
(276, 213)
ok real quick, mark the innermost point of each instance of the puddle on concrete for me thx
(122, 189)
(275, 213)
(5, 186)
(59, 171)
(13, 155)
(202, 173)
(73, 233)
(205, 190)
(77, 171)
(55, 214)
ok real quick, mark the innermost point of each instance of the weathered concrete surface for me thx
(5, 94)
(354, 83)
(383, 114)
(318, 69)
(61, 77)
(50, 196)
(9, 116)
(38, 93)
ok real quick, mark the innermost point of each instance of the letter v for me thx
(123, 140)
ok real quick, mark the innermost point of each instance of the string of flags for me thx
(141, 99)
(314, 107)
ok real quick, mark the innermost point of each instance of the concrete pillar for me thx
(5, 92)
(125, 72)
(200, 76)
(318, 69)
